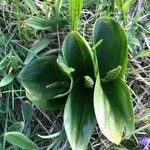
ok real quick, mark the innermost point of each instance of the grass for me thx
(18, 38)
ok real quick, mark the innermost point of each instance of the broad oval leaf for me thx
(78, 55)
(43, 79)
(20, 140)
(113, 109)
(112, 52)
(79, 117)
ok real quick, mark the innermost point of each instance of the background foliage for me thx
(30, 29)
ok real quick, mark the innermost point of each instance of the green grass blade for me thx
(36, 48)
(143, 53)
(58, 4)
(119, 3)
(49, 136)
(27, 111)
(32, 6)
(75, 7)
(39, 23)
(45, 24)
(127, 5)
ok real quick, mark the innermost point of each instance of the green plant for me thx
(88, 82)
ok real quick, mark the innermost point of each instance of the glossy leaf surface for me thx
(79, 118)
(112, 52)
(77, 54)
(43, 79)
(113, 109)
